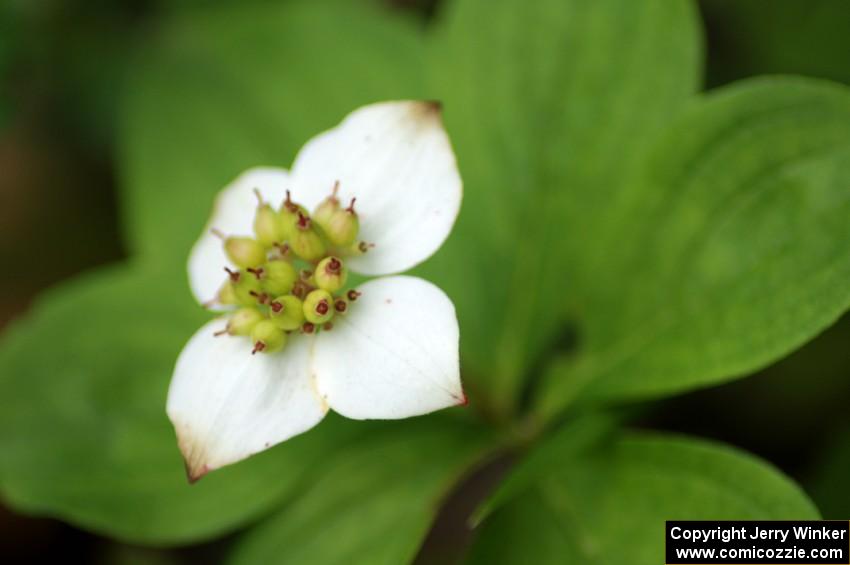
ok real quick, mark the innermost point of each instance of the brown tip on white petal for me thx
(427, 110)
(193, 454)
(195, 475)
(464, 400)
(433, 106)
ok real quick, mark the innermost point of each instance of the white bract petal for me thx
(396, 159)
(394, 354)
(233, 214)
(227, 404)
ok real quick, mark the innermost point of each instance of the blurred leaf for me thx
(829, 482)
(731, 248)
(372, 502)
(83, 429)
(779, 36)
(8, 44)
(567, 443)
(549, 104)
(609, 505)
(231, 89)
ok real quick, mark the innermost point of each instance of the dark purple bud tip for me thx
(322, 307)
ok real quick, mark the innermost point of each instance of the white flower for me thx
(393, 353)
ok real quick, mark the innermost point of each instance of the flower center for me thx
(291, 275)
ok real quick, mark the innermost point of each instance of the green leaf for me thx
(373, 501)
(9, 48)
(731, 247)
(83, 430)
(610, 504)
(549, 104)
(828, 482)
(239, 88)
(569, 441)
(779, 36)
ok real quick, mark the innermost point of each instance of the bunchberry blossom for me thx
(374, 196)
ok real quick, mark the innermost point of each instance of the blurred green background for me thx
(64, 66)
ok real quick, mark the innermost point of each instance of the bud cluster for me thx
(291, 275)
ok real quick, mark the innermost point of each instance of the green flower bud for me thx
(342, 226)
(319, 306)
(328, 207)
(357, 248)
(267, 337)
(289, 213)
(331, 274)
(244, 252)
(305, 241)
(246, 289)
(242, 321)
(227, 295)
(268, 226)
(287, 312)
(277, 277)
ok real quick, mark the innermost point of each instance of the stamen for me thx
(303, 222)
(334, 265)
(351, 206)
(259, 346)
(353, 295)
(220, 332)
(261, 297)
(234, 275)
(308, 328)
(340, 305)
(364, 247)
(218, 233)
(289, 204)
(335, 189)
(256, 272)
(259, 196)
